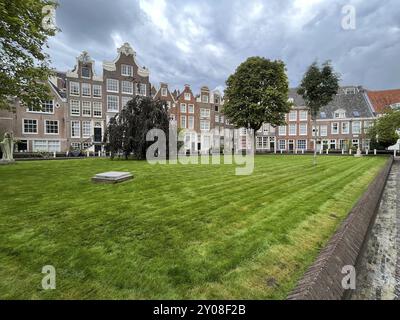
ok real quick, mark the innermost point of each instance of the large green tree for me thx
(126, 132)
(257, 93)
(319, 86)
(383, 133)
(24, 66)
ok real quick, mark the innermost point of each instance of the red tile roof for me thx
(383, 99)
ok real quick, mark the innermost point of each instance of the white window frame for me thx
(78, 128)
(190, 108)
(98, 88)
(115, 101)
(127, 85)
(280, 144)
(142, 89)
(293, 115)
(75, 93)
(124, 101)
(51, 133)
(348, 128)
(183, 108)
(303, 115)
(191, 122)
(353, 126)
(187, 96)
(86, 106)
(183, 122)
(205, 113)
(77, 106)
(88, 88)
(333, 131)
(23, 126)
(126, 70)
(293, 132)
(97, 105)
(282, 130)
(303, 129)
(164, 92)
(323, 130)
(204, 125)
(112, 85)
(87, 126)
(300, 147)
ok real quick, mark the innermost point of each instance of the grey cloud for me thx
(202, 41)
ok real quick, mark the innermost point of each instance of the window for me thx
(51, 127)
(75, 129)
(332, 145)
(125, 100)
(47, 107)
(345, 128)
(335, 128)
(216, 118)
(221, 119)
(75, 108)
(30, 126)
(169, 104)
(164, 92)
(303, 129)
(216, 99)
(142, 89)
(350, 91)
(282, 130)
(204, 125)
(356, 127)
(187, 96)
(85, 72)
(340, 114)
(112, 103)
(342, 144)
(126, 70)
(75, 145)
(303, 115)
(292, 130)
(324, 131)
(205, 113)
(191, 122)
(282, 144)
(97, 109)
(74, 88)
(367, 125)
(216, 108)
(127, 87)
(262, 143)
(86, 129)
(86, 109)
(183, 121)
(112, 85)
(46, 146)
(96, 91)
(191, 108)
(86, 90)
(204, 98)
(183, 107)
(323, 115)
(293, 115)
(301, 144)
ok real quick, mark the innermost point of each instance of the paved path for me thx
(379, 275)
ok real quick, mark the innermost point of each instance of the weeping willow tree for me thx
(126, 132)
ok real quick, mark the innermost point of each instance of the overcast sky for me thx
(201, 42)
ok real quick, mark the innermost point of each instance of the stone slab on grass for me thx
(112, 177)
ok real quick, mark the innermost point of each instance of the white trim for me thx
(45, 127)
(23, 126)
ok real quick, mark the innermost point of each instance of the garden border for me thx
(323, 280)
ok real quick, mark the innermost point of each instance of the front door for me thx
(97, 134)
(291, 145)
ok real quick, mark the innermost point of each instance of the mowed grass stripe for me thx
(175, 231)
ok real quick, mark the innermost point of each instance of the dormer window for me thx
(350, 91)
(187, 96)
(85, 72)
(164, 92)
(216, 99)
(204, 98)
(340, 114)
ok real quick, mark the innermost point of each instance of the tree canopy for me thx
(126, 132)
(384, 132)
(318, 86)
(257, 93)
(24, 67)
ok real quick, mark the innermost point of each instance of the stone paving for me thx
(378, 277)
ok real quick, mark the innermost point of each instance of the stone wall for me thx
(323, 280)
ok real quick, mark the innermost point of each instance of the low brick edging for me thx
(323, 280)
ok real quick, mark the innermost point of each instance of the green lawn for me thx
(174, 232)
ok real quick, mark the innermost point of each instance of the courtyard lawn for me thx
(175, 231)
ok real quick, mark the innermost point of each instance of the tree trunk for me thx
(315, 141)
